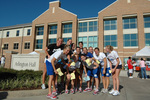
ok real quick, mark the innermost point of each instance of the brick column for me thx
(74, 31)
(45, 36)
(59, 29)
(100, 33)
(41, 60)
(141, 35)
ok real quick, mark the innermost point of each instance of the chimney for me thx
(54, 4)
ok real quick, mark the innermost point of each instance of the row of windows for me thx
(16, 46)
(17, 32)
(128, 23)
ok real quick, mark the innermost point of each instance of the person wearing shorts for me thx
(105, 68)
(116, 66)
(92, 70)
(51, 70)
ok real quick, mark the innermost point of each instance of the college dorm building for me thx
(125, 24)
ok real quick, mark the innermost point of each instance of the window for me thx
(53, 29)
(27, 45)
(67, 28)
(7, 34)
(93, 26)
(110, 24)
(39, 30)
(66, 39)
(84, 40)
(16, 45)
(39, 44)
(147, 22)
(5, 47)
(130, 40)
(147, 39)
(110, 40)
(129, 23)
(82, 27)
(17, 33)
(92, 41)
(51, 41)
(28, 32)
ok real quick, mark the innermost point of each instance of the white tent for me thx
(145, 53)
(33, 53)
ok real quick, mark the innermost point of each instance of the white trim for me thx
(65, 35)
(129, 52)
(26, 41)
(38, 49)
(81, 34)
(108, 6)
(146, 30)
(15, 42)
(130, 47)
(54, 1)
(54, 23)
(64, 22)
(146, 13)
(130, 31)
(88, 20)
(51, 36)
(132, 15)
(39, 37)
(128, 1)
(110, 17)
(110, 32)
(113, 47)
(68, 12)
(40, 15)
(39, 25)
(53, 10)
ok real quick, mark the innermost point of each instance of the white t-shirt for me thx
(3, 60)
(58, 55)
(113, 56)
(100, 58)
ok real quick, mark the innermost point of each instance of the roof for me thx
(16, 26)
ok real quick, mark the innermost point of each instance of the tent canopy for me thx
(145, 53)
(33, 53)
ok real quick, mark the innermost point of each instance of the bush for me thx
(25, 79)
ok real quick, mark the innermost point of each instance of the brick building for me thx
(125, 24)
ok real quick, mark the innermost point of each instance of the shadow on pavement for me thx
(3, 95)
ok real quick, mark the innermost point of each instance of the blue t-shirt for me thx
(89, 55)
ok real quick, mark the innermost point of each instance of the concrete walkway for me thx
(130, 89)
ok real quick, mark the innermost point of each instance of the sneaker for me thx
(116, 93)
(66, 92)
(54, 93)
(95, 92)
(76, 90)
(90, 89)
(143, 78)
(43, 86)
(105, 91)
(51, 96)
(80, 90)
(86, 90)
(72, 91)
(112, 91)
(130, 76)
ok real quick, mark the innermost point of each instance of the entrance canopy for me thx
(33, 53)
(143, 53)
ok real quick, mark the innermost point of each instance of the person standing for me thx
(130, 67)
(2, 61)
(143, 68)
(116, 66)
(50, 49)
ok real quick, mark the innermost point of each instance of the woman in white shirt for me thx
(51, 70)
(116, 66)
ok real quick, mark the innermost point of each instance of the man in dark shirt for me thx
(50, 49)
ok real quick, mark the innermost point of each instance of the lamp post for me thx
(2, 49)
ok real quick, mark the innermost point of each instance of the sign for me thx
(25, 62)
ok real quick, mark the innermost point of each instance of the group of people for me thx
(142, 64)
(74, 61)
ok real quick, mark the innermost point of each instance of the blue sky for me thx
(13, 12)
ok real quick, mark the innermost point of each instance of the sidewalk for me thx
(130, 89)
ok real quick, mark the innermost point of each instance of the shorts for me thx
(118, 67)
(45, 60)
(49, 67)
(107, 74)
(93, 72)
(130, 70)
